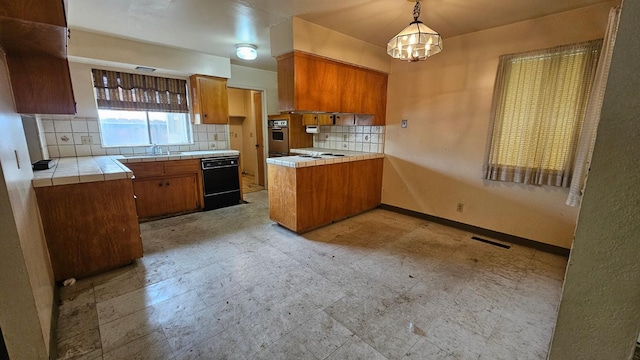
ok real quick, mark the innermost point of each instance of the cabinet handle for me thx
(205, 115)
(168, 184)
(160, 184)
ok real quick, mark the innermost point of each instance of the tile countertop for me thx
(75, 170)
(320, 157)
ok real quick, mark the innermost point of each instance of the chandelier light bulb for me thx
(416, 42)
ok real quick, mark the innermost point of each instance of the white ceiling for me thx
(215, 26)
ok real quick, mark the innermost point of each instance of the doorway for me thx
(245, 135)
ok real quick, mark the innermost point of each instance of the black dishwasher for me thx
(221, 182)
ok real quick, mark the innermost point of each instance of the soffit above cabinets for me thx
(215, 27)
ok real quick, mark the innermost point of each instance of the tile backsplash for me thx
(354, 138)
(64, 138)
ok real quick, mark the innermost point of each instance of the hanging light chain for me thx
(416, 11)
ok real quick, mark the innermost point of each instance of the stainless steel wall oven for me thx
(278, 137)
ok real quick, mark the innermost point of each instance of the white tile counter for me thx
(316, 156)
(177, 156)
(74, 170)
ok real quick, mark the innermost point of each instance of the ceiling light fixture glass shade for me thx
(246, 51)
(416, 42)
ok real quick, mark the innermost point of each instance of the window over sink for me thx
(141, 110)
(140, 128)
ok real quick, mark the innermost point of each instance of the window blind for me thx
(117, 90)
(539, 105)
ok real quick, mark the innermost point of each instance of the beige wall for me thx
(261, 80)
(298, 34)
(87, 46)
(599, 313)
(437, 161)
(87, 50)
(26, 277)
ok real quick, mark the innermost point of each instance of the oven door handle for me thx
(276, 128)
(219, 167)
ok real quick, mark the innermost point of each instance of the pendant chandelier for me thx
(416, 42)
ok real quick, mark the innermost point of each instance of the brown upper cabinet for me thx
(317, 119)
(34, 39)
(237, 104)
(311, 83)
(209, 99)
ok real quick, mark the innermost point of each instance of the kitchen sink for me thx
(172, 153)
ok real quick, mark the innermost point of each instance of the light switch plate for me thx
(404, 123)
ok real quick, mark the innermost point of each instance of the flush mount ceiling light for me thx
(145, 68)
(416, 42)
(246, 51)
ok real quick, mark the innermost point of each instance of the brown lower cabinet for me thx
(89, 227)
(167, 187)
(166, 195)
(302, 199)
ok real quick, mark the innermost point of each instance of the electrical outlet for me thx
(86, 140)
(460, 207)
(215, 137)
(404, 123)
(344, 137)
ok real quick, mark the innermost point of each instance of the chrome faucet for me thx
(156, 150)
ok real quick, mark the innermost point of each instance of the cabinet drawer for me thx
(182, 166)
(141, 170)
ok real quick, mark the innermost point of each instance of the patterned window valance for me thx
(117, 90)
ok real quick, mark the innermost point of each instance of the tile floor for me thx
(249, 184)
(230, 284)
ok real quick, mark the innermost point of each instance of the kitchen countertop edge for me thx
(296, 161)
(85, 169)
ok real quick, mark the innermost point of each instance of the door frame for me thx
(263, 154)
(260, 155)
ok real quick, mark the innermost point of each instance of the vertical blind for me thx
(117, 90)
(538, 108)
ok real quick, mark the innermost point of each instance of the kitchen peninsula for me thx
(321, 186)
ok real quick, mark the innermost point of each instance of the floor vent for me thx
(491, 242)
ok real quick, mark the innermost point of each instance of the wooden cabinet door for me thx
(325, 119)
(352, 89)
(375, 98)
(322, 195)
(236, 102)
(286, 83)
(344, 119)
(180, 194)
(149, 194)
(365, 185)
(317, 119)
(316, 84)
(166, 195)
(89, 227)
(309, 119)
(214, 100)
